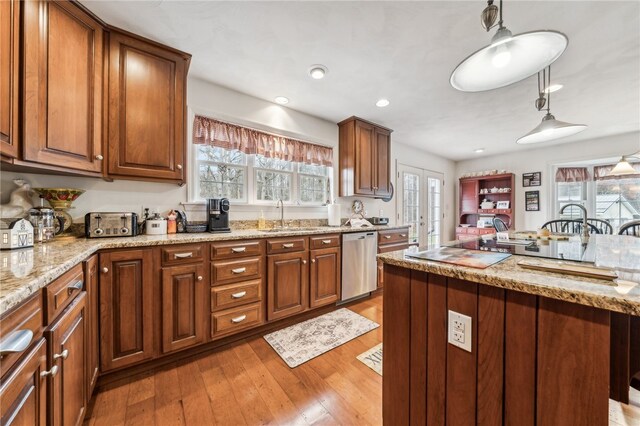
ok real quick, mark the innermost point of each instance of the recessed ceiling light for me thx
(479, 150)
(382, 103)
(282, 100)
(553, 88)
(318, 71)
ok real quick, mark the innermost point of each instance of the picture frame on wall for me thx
(502, 205)
(532, 179)
(532, 201)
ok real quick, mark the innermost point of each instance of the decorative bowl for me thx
(60, 197)
(494, 190)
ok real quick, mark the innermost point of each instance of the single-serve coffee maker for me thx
(218, 212)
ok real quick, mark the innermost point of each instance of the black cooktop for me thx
(565, 250)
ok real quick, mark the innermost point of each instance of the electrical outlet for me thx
(460, 330)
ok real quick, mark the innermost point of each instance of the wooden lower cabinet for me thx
(23, 394)
(287, 284)
(126, 308)
(93, 354)
(324, 278)
(184, 309)
(67, 352)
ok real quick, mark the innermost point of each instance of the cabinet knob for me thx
(199, 277)
(52, 372)
(63, 355)
(304, 262)
(99, 157)
(313, 261)
(105, 270)
(179, 166)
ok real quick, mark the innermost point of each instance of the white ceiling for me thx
(405, 51)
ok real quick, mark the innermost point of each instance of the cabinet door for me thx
(23, 394)
(183, 307)
(324, 281)
(364, 159)
(469, 195)
(67, 337)
(126, 308)
(91, 288)
(382, 163)
(9, 71)
(146, 109)
(62, 86)
(288, 284)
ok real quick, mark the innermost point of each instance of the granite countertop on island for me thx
(25, 271)
(617, 252)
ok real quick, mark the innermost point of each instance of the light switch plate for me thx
(460, 330)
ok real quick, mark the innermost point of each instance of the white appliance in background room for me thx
(359, 265)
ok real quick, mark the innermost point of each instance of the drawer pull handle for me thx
(239, 270)
(183, 255)
(64, 355)
(239, 295)
(326, 241)
(52, 372)
(403, 235)
(239, 319)
(16, 341)
(387, 236)
(288, 245)
(238, 249)
(75, 286)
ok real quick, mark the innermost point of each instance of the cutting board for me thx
(569, 269)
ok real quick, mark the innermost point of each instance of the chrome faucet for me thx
(280, 205)
(585, 224)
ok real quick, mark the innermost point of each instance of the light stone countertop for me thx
(618, 252)
(25, 271)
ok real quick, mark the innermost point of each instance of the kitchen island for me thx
(545, 348)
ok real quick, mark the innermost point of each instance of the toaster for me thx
(110, 224)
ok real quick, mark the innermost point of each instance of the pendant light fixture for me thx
(624, 166)
(550, 128)
(508, 58)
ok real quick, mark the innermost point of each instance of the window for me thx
(258, 179)
(571, 193)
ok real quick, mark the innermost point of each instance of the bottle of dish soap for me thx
(261, 221)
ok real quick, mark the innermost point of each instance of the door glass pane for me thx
(411, 204)
(435, 213)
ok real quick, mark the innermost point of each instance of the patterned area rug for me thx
(304, 341)
(373, 358)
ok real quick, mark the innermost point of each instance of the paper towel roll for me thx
(334, 214)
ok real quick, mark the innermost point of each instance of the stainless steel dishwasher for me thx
(359, 265)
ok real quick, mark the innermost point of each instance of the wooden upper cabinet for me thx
(469, 196)
(365, 159)
(9, 72)
(126, 308)
(147, 109)
(62, 80)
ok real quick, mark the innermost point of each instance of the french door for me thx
(420, 204)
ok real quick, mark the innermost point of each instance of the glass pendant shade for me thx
(551, 129)
(508, 59)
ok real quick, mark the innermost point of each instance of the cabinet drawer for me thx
(393, 236)
(19, 328)
(233, 249)
(232, 295)
(286, 245)
(324, 241)
(223, 272)
(231, 320)
(62, 291)
(175, 255)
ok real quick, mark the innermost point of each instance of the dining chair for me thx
(567, 226)
(500, 225)
(630, 228)
(603, 225)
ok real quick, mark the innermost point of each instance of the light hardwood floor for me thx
(248, 383)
